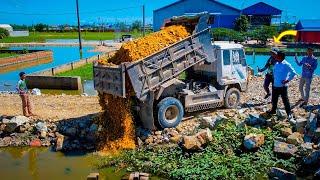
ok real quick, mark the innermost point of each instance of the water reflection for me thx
(33, 163)
(23, 65)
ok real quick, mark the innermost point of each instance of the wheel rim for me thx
(232, 100)
(172, 113)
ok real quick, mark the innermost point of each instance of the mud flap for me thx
(146, 112)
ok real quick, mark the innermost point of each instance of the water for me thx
(61, 55)
(32, 163)
(259, 60)
(77, 40)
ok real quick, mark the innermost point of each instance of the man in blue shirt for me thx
(283, 73)
(309, 64)
(269, 76)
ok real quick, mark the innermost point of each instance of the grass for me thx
(85, 72)
(224, 158)
(3, 55)
(42, 36)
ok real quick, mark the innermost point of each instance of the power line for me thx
(59, 14)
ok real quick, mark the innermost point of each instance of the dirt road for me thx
(55, 107)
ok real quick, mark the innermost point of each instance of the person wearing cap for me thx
(283, 74)
(269, 76)
(309, 64)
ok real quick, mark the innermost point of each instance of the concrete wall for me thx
(45, 79)
(52, 82)
(25, 58)
(68, 67)
(18, 33)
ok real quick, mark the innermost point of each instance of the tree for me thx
(40, 27)
(4, 33)
(17, 27)
(136, 25)
(263, 33)
(284, 27)
(227, 34)
(241, 24)
(120, 25)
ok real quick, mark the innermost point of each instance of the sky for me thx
(56, 12)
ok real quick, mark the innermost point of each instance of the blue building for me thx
(222, 15)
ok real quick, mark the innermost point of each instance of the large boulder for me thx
(312, 122)
(196, 142)
(191, 143)
(295, 138)
(284, 149)
(286, 132)
(277, 173)
(312, 158)
(253, 140)
(15, 122)
(254, 119)
(71, 131)
(301, 125)
(60, 141)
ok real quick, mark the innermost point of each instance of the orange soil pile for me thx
(117, 119)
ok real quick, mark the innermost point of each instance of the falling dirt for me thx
(117, 119)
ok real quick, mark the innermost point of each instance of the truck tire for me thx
(232, 98)
(169, 112)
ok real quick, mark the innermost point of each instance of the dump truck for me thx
(191, 75)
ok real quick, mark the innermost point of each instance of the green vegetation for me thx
(284, 27)
(224, 158)
(42, 36)
(4, 33)
(263, 33)
(222, 34)
(241, 24)
(85, 72)
(3, 55)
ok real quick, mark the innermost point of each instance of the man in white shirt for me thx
(283, 74)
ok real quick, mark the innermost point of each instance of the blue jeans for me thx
(266, 84)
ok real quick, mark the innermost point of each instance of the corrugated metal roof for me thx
(308, 25)
(261, 8)
(208, 0)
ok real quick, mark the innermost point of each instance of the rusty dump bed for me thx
(149, 73)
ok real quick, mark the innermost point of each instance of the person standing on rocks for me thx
(309, 65)
(283, 74)
(24, 94)
(269, 76)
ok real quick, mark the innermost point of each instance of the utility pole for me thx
(144, 21)
(79, 29)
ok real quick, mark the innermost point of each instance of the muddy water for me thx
(42, 163)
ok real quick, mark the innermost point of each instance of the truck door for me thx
(239, 65)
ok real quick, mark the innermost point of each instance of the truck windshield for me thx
(238, 57)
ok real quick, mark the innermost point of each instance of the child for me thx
(24, 94)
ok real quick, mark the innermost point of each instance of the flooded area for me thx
(61, 55)
(43, 163)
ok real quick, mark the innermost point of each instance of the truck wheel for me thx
(232, 98)
(169, 112)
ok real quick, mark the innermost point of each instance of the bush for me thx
(225, 34)
(4, 33)
(284, 27)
